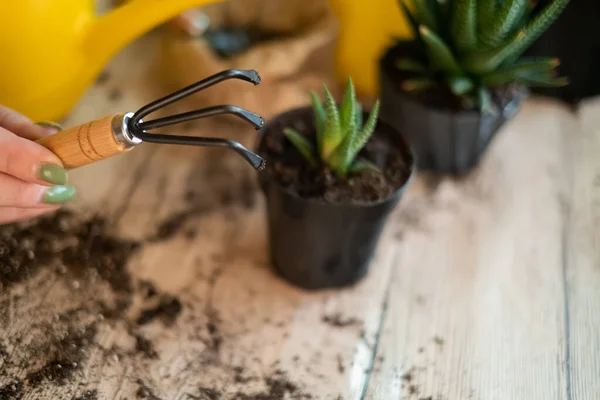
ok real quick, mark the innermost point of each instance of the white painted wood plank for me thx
(582, 259)
(476, 304)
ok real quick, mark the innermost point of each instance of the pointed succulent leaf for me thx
(485, 14)
(341, 159)
(304, 146)
(521, 68)
(348, 107)
(362, 166)
(414, 24)
(439, 53)
(460, 85)
(489, 60)
(319, 111)
(332, 133)
(363, 137)
(358, 116)
(485, 101)
(410, 65)
(424, 14)
(537, 27)
(543, 80)
(504, 21)
(416, 84)
(463, 25)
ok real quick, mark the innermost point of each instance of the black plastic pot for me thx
(315, 244)
(444, 140)
(575, 39)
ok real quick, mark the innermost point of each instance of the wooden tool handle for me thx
(87, 143)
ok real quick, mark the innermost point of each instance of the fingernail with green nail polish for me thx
(59, 194)
(53, 174)
(48, 124)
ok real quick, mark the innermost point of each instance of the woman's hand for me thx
(32, 179)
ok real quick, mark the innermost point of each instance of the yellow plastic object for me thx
(367, 27)
(52, 50)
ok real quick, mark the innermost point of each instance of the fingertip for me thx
(49, 128)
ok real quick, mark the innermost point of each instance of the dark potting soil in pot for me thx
(287, 167)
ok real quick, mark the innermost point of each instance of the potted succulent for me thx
(462, 76)
(580, 62)
(333, 175)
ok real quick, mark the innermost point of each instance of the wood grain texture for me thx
(476, 306)
(582, 267)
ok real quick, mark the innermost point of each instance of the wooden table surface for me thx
(486, 287)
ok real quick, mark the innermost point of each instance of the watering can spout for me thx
(111, 32)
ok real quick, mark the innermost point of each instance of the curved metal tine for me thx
(246, 115)
(245, 75)
(254, 159)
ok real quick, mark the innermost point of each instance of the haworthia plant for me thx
(475, 45)
(340, 133)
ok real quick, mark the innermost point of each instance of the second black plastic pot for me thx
(315, 244)
(444, 140)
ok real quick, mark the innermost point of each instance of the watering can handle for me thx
(90, 142)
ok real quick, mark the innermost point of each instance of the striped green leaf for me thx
(304, 146)
(424, 14)
(332, 133)
(463, 25)
(489, 60)
(504, 21)
(440, 54)
(320, 116)
(363, 137)
(485, 14)
(347, 112)
(543, 80)
(358, 115)
(521, 68)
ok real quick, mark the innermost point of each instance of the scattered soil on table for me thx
(439, 341)
(88, 395)
(65, 355)
(102, 78)
(144, 346)
(289, 169)
(12, 390)
(338, 321)
(278, 386)
(207, 394)
(68, 244)
(167, 310)
(115, 95)
(144, 392)
(340, 364)
(78, 255)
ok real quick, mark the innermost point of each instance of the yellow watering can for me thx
(52, 50)
(367, 27)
